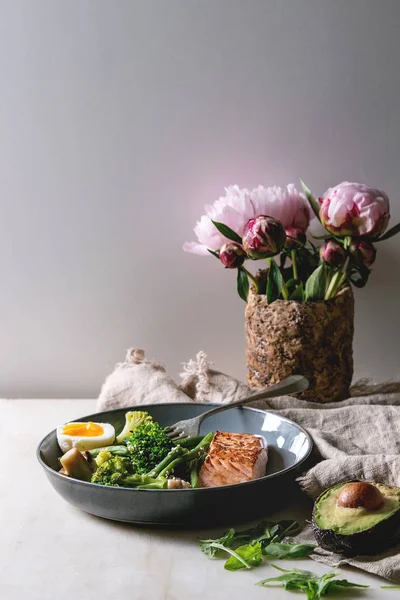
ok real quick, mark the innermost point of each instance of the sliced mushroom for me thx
(76, 465)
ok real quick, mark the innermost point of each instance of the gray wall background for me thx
(120, 119)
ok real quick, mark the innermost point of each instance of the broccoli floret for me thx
(148, 445)
(111, 469)
(102, 457)
(133, 419)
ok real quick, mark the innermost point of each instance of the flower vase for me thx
(314, 339)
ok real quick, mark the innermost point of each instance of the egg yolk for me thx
(83, 429)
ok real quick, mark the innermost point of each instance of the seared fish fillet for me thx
(233, 458)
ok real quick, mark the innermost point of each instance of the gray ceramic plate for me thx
(289, 446)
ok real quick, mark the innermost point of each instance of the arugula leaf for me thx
(313, 586)
(212, 547)
(251, 555)
(281, 550)
(343, 583)
(227, 232)
(248, 546)
(266, 531)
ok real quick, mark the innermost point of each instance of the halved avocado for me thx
(356, 517)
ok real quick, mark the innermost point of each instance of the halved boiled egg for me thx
(85, 436)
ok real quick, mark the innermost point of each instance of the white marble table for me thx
(52, 551)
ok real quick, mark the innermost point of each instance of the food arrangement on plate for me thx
(143, 456)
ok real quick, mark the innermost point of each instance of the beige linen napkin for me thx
(355, 439)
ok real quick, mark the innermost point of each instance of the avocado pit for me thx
(360, 494)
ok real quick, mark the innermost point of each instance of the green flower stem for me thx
(285, 292)
(330, 292)
(251, 276)
(337, 281)
(294, 264)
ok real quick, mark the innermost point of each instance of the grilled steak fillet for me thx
(233, 458)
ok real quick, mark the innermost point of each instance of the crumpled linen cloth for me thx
(358, 438)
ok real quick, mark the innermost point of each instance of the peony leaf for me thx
(360, 277)
(242, 284)
(227, 232)
(298, 293)
(390, 233)
(311, 199)
(274, 282)
(213, 253)
(316, 285)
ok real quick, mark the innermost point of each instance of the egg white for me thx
(66, 442)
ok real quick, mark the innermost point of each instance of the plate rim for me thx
(92, 486)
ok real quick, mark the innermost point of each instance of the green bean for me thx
(190, 442)
(114, 450)
(172, 454)
(194, 475)
(188, 456)
(144, 481)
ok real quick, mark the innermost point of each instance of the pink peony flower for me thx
(333, 253)
(354, 209)
(239, 205)
(234, 210)
(363, 252)
(287, 205)
(263, 237)
(294, 235)
(232, 255)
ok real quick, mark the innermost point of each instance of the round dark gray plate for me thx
(289, 445)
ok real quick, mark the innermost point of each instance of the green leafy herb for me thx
(313, 586)
(281, 550)
(247, 547)
(247, 556)
(311, 199)
(316, 284)
(274, 282)
(211, 547)
(227, 232)
(242, 284)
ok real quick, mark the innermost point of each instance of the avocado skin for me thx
(379, 537)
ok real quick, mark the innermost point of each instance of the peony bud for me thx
(263, 237)
(363, 252)
(294, 235)
(232, 255)
(333, 253)
(354, 209)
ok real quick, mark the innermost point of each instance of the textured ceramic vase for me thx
(314, 339)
